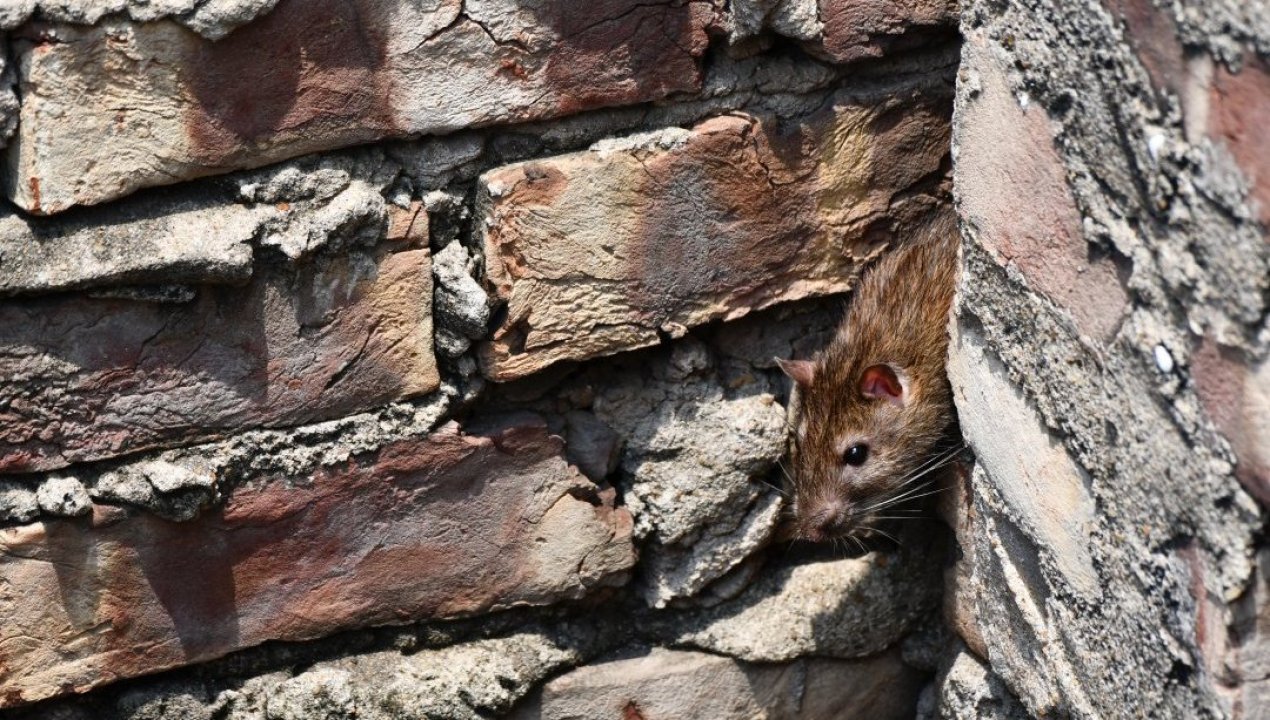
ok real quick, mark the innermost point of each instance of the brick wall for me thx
(386, 359)
(1108, 360)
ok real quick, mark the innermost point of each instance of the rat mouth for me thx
(829, 529)
(834, 525)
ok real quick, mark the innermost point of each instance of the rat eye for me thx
(856, 455)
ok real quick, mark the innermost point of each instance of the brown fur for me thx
(897, 317)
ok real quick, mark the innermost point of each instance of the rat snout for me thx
(827, 521)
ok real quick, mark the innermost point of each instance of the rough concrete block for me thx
(848, 608)
(679, 684)
(692, 460)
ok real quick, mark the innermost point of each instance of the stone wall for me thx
(388, 359)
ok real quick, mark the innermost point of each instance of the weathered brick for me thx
(602, 251)
(1250, 630)
(857, 29)
(1227, 106)
(1047, 492)
(1239, 105)
(167, 105)
(1236, 395)
(1154, 36)
(167, 242)
(84, 378)
(1009, 162)
(442, 526)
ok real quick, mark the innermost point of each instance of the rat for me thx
(874, 416)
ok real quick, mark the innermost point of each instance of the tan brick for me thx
(165, 104)
(435, 527)
(160, 243)
(84, 378)
(600, 251)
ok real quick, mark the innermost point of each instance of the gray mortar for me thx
(213, 19)
(334, 202)
(693, 458)
(317, 694)
(1226, 28)
(18, 503)
(63, 495)
(797, 19)
(844, 608)
(460, 304)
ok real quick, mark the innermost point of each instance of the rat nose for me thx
(826, 522)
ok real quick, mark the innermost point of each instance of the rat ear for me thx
(881, 382)
(800, 371)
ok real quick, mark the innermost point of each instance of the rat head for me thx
(865, 433)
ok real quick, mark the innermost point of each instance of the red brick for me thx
(1014, 192)
(1236, 395)
(1153, 35)
(601, 251)
(1239, 104)
(437, 527)
(120, 106)
(82, 378)
(858, 29)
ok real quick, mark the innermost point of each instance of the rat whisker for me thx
(780, 491)
(888, 500)
(859, 543)
(933, 459)
(785, 471)
(841, 543)
(931, 465)
(910, 494)
(936, 491)
(913, 483)
(907, 492)
(887, 535)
